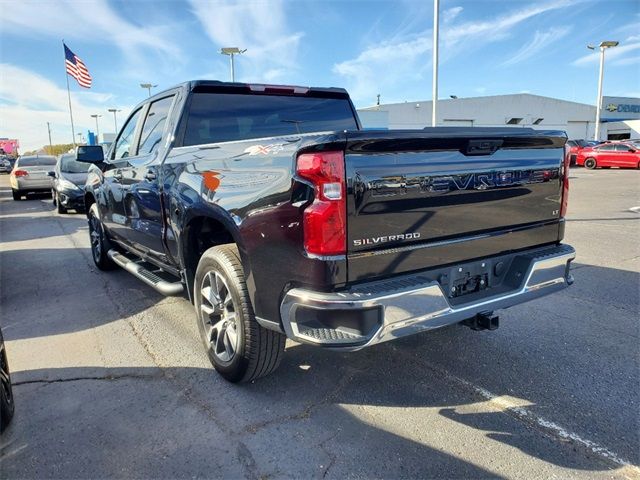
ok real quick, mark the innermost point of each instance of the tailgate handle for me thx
(483, 147)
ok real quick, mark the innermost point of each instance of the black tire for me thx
(590, 163)
(16, 194)
(257, 351)
(7, 407)
(61, 209)
(100, 244)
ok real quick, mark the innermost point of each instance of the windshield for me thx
(223, 117)
(36, 161)
(68, 164)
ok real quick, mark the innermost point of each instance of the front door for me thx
(142, 196)
(114, 217)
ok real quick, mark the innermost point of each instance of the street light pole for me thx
(148, 86)
(96, 116)
(231, 51)
(115, 120)
(50, 145)
(603, 46)
(434, 93)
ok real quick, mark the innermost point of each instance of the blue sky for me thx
(369, 47)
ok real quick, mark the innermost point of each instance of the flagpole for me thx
(73, 131)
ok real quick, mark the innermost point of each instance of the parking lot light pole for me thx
(434, 93)
(49, 130)
(115, 119)
(148, 86)
(231, 51)
(603, 46)
(96, 116)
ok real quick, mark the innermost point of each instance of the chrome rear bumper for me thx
(411, 304)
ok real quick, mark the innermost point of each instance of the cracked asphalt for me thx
(111, 380)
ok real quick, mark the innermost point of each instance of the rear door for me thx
(606, 155)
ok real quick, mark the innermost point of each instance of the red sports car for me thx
(616, 154)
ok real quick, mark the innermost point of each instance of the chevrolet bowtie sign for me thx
(620, 108)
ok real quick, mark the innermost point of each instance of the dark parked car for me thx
(281, 218)
(69, 178)
(6, 392)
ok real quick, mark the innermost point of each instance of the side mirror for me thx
(90, 154)
(632, 150)
(52, 174)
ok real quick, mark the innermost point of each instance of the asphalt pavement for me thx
(111, 380)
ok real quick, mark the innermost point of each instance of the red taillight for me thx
(20, 173)
(565, 182)
(325, 220)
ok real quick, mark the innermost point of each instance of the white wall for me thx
(576, 119)
(629, 126)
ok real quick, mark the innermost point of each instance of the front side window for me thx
(622, 148)
(123, 148)
(153, 127)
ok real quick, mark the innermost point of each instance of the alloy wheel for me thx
(5, 377)
(96, 241)
(219, 317)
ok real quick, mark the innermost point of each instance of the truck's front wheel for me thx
(100, 244)
(239, 348)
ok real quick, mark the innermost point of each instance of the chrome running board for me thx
(135, 268)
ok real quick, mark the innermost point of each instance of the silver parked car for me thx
(30, 174)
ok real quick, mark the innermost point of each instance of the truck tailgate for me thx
(418, 199)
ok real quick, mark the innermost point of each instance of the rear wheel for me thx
(100, 244)
(238, 347)
(590, 163)
(16, 194)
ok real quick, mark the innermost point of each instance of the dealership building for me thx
(620, 115)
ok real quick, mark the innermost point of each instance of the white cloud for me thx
(380, 68)
(613, 55)
(475, 33)
(392, 63)
(28, 101)
(261, 28)
(450, 14)
(89, 20)
(540, 41)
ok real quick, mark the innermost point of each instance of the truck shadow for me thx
(538, 355)
(178, 423)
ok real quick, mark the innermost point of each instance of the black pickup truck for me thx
(280, 217)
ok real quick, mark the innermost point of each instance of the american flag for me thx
(76, 68)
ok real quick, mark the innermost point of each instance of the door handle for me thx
(150, 175)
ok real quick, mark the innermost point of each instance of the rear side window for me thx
(223, 117)
(36, 161)
(605, 148)
(153, 127)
